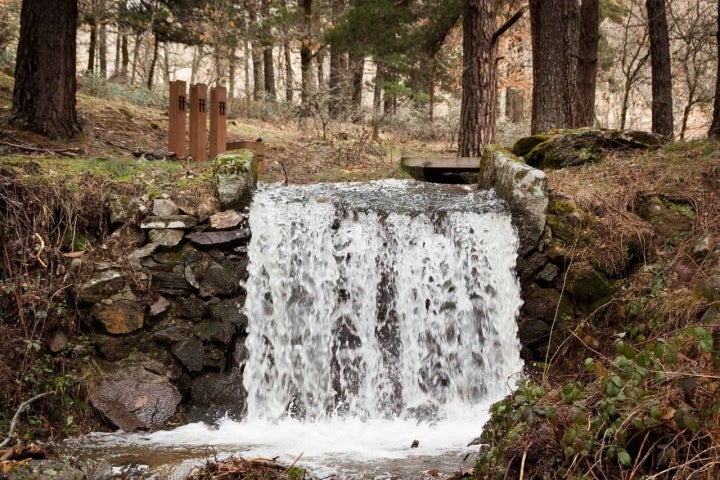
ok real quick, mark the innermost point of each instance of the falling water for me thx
(381, 300)
(379, 314)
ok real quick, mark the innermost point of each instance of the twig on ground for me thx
(16, 417)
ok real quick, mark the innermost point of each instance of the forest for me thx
(616, 102)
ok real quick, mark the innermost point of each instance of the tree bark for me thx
(153, 62)
(306, 56)
(269, 67)
(554, 41)
(102, 39)
(270, 92)
(125, 61)
(91, 47)
(587, 63)
(289, 80)
(714, 132)
(662, 109)
(477, 113)
(45, 83)
(258, 75)
(338, 82)
(357, 65)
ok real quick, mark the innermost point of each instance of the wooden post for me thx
(198, 121)
(176, 111)
(218, 121)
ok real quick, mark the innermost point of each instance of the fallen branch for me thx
(70, 152)
(16, 417)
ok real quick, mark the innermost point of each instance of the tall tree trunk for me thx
(196, 62)
(166, 64)
(92, 46)
(153, 62)
(357, 65)
(288, 72)
(479, 84)
(269, 66)
(554, 63)
(662, 109)
(45, 83)
(320, 58)
(102, 39)
(431, 88)
(308, 77)
(118, 47)
(338, 85)
(232, 70)
(136, 55)
(258, 76)
(714, 132)
(125, 56)
(587, 63)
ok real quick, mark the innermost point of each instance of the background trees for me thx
(345, 59)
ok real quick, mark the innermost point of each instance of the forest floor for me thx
(658, 302)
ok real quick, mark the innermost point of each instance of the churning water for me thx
(379, 314)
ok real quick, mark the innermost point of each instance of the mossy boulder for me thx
(587, 284)
(567, 150)
(235, 175)
(564, 148)
(525, 145)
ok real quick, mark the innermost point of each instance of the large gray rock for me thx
(215, 394)
(131, 404)
(164, 207)
(523, 187)
(235, 174)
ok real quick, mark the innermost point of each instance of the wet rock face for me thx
(132, 405)
(176, 299)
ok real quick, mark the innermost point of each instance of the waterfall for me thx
(382, 300)
(381, 315)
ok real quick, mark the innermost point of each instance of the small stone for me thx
(159, 306)
(58, 341)
(206, 208)
(415, 444)
(710, 287)
(119, 317)
(164, 208)
(174, 332)
(144, 252)
(184, 222)
(702, 247)
(167, 237)
(548, 274)
(226, 220)
(216, 332)
(710, 316)
(191, 308)
(221, 239)
(190, 353)
(121, 209)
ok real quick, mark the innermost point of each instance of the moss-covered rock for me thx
(235, 174)
(523, 187)
(567, 150)
(525, 145)
(586, 284)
